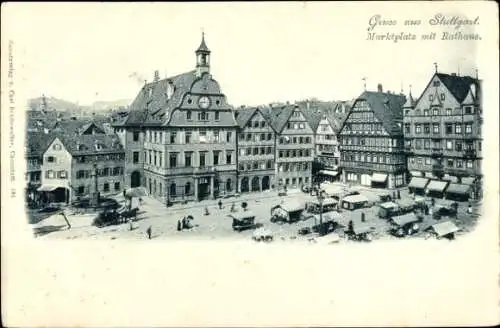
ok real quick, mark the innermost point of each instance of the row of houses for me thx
(183, 141)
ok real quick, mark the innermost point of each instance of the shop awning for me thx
(450, 178)
(468, 181)
(415, 173)
(436, 185)
(456, 188)
(445, 228)
(404, 219)
(418, 182)
(379, 177)
(48, 187)
(328, 172)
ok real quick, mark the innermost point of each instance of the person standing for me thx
(149, 232)
(220, 204)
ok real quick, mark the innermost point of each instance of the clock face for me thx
(204, 102)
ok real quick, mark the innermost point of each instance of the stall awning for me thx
(456, 188)
(136, 192)
(436, 185)
(445, 228)
(48, 187)
(418, 182)
(292, 207)
(404, 219)
(355, 199)
(361, 228)
(450, 178)
(329, 172)
(329, 216)
(415, 173)
(242, 215)
(379, 177)
(468, 181)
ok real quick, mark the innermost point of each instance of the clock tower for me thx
(202, 58)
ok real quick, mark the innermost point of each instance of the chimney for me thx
(307, 104)
(379, 87)
(156, 77)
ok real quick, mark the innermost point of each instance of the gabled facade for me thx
(327, 148)
(186, 136)
(294, 147)
(371, 141)
(443, 130)
(256, 151)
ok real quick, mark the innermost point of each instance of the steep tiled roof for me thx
(244, 115)
(75, 126)
(85, 144)
(410, 102)
(387, 107)
(458, 85)
(37, 143)
(150, 107)
(279, 117)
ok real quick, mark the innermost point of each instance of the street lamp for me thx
(321, 198)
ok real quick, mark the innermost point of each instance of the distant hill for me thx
(62, 105)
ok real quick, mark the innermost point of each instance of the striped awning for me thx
(445, 228)
(456, 188)
(436, 185)
(418, 182)
(50, 187)
(379, 177)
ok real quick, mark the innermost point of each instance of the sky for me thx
(261, 52)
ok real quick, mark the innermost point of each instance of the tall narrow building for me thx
(443, 133)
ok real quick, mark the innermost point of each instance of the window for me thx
(418, 128)
(228, 136)
(449, 128)
(217, 116)
(216, 157)
(203, 116)
(187, 137)
(202, 159)
(249, 137)
(407, 128)
(203, 136)
(449, 144)
(136, 135)
(418, 144)
(173, 189)
(216, 136)
(189, 115)
(269, 150)
(459, 163)
(229, 157)
(469, 110)
(468, 128)
(458, 128)
(187, 188)
(458, 145)
(51, 159)
(255, 165)
(81, 190)
(56, 147)
(187, 159)
(173, 137)
(435, 110)
(449, 163)
(426, 112)
(106, 186)
(135, 155)
(173, 160)
(427, 128)
(269, 136)
(427, 144)
(442, 96)
(435, 128)
(256, 151)
(431, 97)
(105, 172)
(448, 111)
(80, 174)
(117, 186)
(419, 160)
(427, 161)
(269, 164)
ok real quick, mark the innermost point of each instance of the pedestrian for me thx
(220, 204)
(141, 201)
(179, 225)
(433, 202)
(350, 227)
(131, 226)
(233, 208)
(149, 232)
(426, 209)
(362, 216)
(469, 209)
(399, 194)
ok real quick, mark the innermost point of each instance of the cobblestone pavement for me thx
(217, 225)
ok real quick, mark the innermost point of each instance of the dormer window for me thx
(170, 89)
(150, 92)
(56, 147)
(436, 84)
(442, 96)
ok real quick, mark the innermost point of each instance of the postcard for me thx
(250, 164)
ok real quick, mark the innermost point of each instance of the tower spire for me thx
(202, 57)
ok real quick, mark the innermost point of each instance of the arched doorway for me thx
(244, 184)
(255, 184)
(135, 179)
(229, 186)
(265, 183)
(59, 195)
